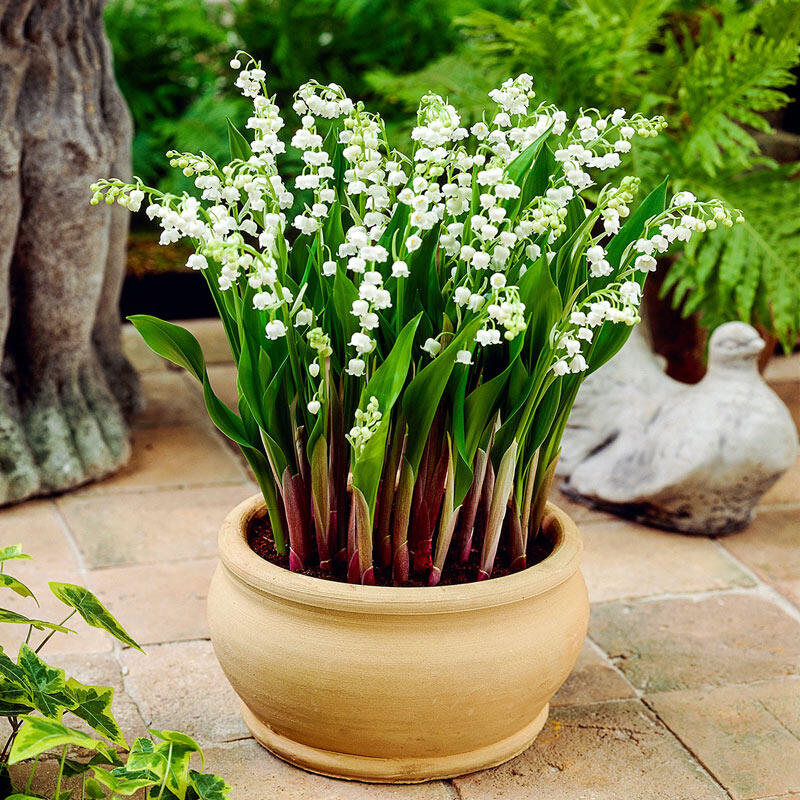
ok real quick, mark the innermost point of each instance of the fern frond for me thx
(752, 271)
(463, 78)
(726, 84)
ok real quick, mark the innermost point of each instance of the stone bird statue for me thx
(691, 458)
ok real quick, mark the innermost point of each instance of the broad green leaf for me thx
(385, 384)
(46, 684)
(344, 293)
(239, 146)
(543, 418)
(20, 619)
(125, 782)
(13, 551)
(613, 335)
(543, 306)
(208, 787)
(176, 737)
(519, 168)
(165, 758)
(171, 342)
(179, 346)
(38, 735)
(421, 397)
(15, 692)
(93, 705)
(91, 609)
(22, 797)
(651, 206)
(73, 768)
(10, 582)
(93, 789)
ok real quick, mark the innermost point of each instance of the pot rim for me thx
(276, 582)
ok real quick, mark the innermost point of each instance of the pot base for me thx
(393, 770)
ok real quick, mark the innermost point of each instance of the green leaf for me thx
(651, 206)
(93, 705)
(91, 609)
(180, 347)
(385, 384)
(13, 551)
(73, 768)
(171, 342)
(176, 737)
(613, 335)
(38, 735)
(125, 782)
(93, 789)
(421, 397)
(239, 146)
(46, 684)
(168, 760)
(208, 787)
(15, 692)
(14, 618)
(10, 582)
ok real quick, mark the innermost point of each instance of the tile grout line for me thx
(761, 589)
(85, 575)
(607, 659)
(119, 494)
(685, 747)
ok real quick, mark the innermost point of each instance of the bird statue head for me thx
(734, 344)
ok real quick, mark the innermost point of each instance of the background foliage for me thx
(716, 70)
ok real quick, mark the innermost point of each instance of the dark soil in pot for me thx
(261, 541)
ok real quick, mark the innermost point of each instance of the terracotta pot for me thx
(395, 684)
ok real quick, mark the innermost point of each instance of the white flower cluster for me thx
(458, 186)
(367, 422)
(617, 303)
(684, 217)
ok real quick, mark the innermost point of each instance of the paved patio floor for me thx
(688, 687)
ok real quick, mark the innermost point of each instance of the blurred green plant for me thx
(169, 58)
(714, 70)
(34, 696)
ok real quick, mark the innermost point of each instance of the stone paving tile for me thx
(684, 643)
(36, 577)
(211, 335)
(181, 687)
(740, 734)
(171, 399)
(771, 547)
(624, 560)
(172, 456)
(138, 353)
(158, 602)
(592, 680)
(37, 527)
(786, 491)
(607, 751)
(150, 526)
(255, 774)
(223, 382)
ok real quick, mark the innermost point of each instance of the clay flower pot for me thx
(395, 684)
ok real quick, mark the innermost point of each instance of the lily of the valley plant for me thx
(411, 337)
